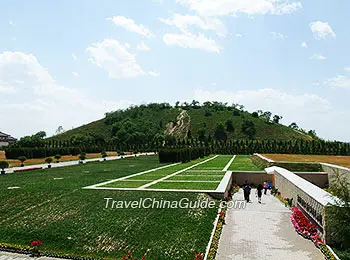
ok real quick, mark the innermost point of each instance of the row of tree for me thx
(216, 147)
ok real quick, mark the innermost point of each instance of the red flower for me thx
(35, 243)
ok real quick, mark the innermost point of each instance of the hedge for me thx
(31, 153)
(182, 154)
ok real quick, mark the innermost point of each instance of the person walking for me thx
(259, 192)
(246, 191)
(266, 186)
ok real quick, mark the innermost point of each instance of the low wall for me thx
(311, 199)
(253, 178)
(336, 173)
(320, 179)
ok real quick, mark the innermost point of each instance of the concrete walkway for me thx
(263, 231)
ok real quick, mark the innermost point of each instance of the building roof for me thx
(10, 138)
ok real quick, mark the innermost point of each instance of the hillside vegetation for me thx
(208, 121)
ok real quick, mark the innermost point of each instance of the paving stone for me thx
(263, 231)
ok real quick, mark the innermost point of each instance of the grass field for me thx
(244, 163)
(338, 160)
(200, 174)
(16, 163)
(51, 205)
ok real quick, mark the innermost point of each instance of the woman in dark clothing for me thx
(259, 190)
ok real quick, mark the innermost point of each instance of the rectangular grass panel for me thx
(202, 173)
(126, 184)
(244, 163)
(196, 177)
(216, 164)
(185, 185)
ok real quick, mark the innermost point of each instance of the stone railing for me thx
(309, 198)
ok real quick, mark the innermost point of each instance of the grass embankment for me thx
(51, 205)
(244, 163)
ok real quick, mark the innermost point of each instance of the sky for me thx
(67, 63)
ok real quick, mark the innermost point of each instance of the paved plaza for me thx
(263, 231)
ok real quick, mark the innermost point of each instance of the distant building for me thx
(6, 139)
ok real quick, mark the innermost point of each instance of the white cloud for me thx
(339, 81)
(304, 45)
(6, 89)
(318, 112)
(318, 57)
(347, 68)
(75, 74)
(322, 30)
(11, 22)
(185, 22)
(189, 40)
(114, 58)
(74, 56)
(239, 35)
(234, 7)
(153, 73)
(143, 47)
(41, 100)
(130, 25)
(278, 35)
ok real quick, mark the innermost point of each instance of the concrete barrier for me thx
(309, 198)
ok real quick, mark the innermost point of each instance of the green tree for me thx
(276, 119)
(202, 134)
(294, 126)
(220, 133)
(248, 128)
(229, 126)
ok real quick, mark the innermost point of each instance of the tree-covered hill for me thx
(207, 121)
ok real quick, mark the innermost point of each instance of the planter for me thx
(49, 166)
(2, 172)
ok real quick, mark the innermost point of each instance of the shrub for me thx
(58, 157)
(4, 165)
(22, 159)
(82, 156)
(104, 155)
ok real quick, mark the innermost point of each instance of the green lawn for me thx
(74, 221)
(196, 177)
(185, 185)
(244, 163)
(209, 171)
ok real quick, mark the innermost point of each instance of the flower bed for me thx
(305, 228)
(29, 169)
(215, 241)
